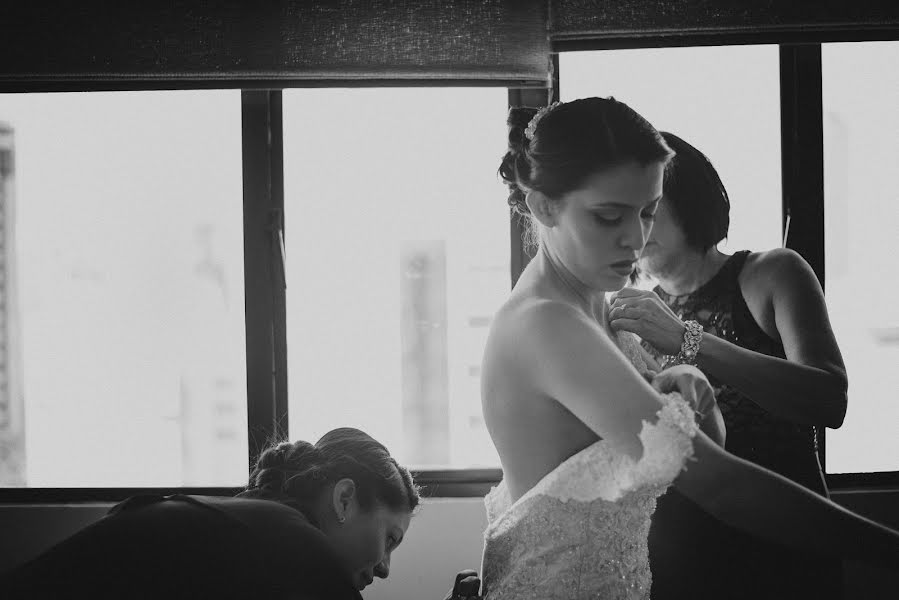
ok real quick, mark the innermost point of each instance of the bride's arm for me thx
(568, 357)
(765, 504)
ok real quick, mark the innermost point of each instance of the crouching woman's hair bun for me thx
(297, 473)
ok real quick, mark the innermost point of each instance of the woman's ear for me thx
(542, 207)
(343, 499)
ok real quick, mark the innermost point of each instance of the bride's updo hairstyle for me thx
(569, 142)
(298, 473)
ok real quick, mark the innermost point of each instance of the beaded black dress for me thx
(728, 563)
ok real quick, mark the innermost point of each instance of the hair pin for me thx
(532, 126)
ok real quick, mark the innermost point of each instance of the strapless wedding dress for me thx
(581, 531)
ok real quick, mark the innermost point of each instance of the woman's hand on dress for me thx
(696, 390)
(642, 312)
(466, 587)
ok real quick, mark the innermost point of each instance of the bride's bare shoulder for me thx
(531, 315)
(531, 327)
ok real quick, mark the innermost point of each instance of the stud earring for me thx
(341, 520)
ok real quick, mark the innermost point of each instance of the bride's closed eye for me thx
(608, 220)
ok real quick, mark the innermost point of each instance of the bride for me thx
(588, 432)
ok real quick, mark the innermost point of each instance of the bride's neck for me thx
(590, 300)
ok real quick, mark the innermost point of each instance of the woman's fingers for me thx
(689, 382)
(634, 309)
(698, 393)
(470, 586)
(632, 292)
(467, 585)
(623, 324)
(667, 381)
(618, 309)
(652, 320)
(707, 399)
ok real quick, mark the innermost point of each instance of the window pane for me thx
(861, 218)
(723, 100)
(123, 358)
(397, 242)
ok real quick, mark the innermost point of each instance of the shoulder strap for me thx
(728, 277)
(739, 260)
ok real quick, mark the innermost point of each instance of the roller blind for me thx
(759, 19)
(491, 42)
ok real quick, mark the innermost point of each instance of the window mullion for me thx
(802, 152)
(802, 159)
(263, 201)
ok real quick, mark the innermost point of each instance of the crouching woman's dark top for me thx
(188, 547)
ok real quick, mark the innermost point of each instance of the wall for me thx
(445, 538)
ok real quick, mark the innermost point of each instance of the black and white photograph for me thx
(449, 300)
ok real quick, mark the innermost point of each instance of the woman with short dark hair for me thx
(770, 354)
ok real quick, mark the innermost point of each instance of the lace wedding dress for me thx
(581, 531)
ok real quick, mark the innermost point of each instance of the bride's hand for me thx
(696, 390)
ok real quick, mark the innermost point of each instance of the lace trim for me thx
(667, 445)
(599, 472)
(631, 348)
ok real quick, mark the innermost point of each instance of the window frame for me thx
(265, 289)
(264, 298)
(264, 278)
(263, 203)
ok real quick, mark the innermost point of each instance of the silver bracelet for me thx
(689, 349)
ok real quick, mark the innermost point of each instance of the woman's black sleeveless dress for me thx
(692, 554)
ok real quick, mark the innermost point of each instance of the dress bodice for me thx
(581, 531)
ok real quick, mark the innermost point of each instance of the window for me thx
(122, 343)
(861, 117)
(397, 253)
(121, 288)
(725, 101)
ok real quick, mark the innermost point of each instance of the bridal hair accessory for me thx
(532, 126)
(690, 346)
